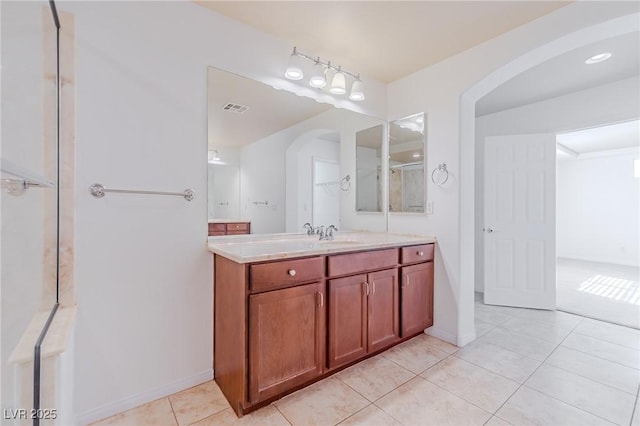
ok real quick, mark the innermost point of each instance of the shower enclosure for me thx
(30, 208)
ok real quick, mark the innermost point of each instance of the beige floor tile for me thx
(266, 416)
(481, 387)
(156, 413)
(327, 402)
(588, 395)
(526, 345)
(610, 351)
(375, 377)
(496, 421)
(623, 336)
(506, 363)
(609, 373)
(440, 344)
(415, 355)
(491, 315)
(371, 416)
(420, 402)
(482, 327)
(553, 333)
(559, 318)
(199, 402)
(530, 407)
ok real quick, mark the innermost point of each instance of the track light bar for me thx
(337, 85)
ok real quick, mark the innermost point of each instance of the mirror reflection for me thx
(276, 160)
(406, 165)
(369, 169)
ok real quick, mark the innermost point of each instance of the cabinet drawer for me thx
(217, 229)
(354, 263)
(267, 276)
(421, 253)
(237, 228)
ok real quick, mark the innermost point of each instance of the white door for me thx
(520, 221)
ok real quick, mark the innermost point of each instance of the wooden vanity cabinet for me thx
(286, 339)
(416, 291)
(282, 324)
(363, 314)
(231, 228)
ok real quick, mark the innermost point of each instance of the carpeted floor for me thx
(602, 291)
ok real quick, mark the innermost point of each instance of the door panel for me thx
(519, 216)
(347, 319)
(383, 318)
(285, 353)
(417, 298)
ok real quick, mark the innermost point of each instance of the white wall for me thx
(447, 92)
(144, 275)
(367, 179)
(598, 210)
(23, 144)
(610, 103)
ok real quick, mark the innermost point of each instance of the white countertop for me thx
(261, 247)
(229, 221)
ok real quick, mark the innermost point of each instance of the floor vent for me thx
(235, 108)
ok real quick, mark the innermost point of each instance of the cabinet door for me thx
(286, 343)
(347, 319)
(383, 315)
(417, 298)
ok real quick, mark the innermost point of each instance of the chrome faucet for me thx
(327, 234)
(309, 228)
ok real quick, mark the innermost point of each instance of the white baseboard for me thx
(466, 338)
(441, 334)
(136, 400)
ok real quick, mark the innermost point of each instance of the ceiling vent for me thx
(235, 108)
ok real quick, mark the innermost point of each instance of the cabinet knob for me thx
(420, 253)
(292, 272)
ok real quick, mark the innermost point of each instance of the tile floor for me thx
(599, 290)
(526, 367)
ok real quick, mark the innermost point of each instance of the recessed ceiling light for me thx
(598, 58)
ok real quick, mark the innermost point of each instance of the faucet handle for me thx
(309, 228)
(329, 231)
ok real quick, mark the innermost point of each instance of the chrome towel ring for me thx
(440, 174)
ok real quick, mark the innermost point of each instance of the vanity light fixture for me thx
(294, 68)
(357, 91)
(338, 83)
(321, 76)
(214, 157)
(318, 78)
(598, 58)
(416, 155)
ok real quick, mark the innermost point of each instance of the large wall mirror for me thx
(278, 160)
(407, 165)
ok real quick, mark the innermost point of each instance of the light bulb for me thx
(318, 79)
(338, 84)
(294, 68)
(357, 91)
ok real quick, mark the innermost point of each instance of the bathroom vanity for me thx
(219, 227)
(289, 309)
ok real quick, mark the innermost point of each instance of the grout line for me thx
(635, 408)
(608, 341)
(281, 413)
(597, 356)
(172, 410)
(536, 369)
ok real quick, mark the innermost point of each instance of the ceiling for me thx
(566, 74)
(385, 40)
(269, 110)
(613, 136)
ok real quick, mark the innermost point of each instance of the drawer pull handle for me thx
(420, 253)
(292, 272)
